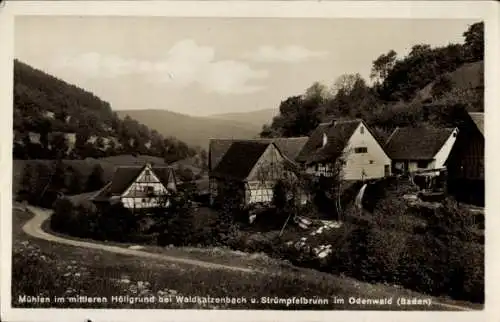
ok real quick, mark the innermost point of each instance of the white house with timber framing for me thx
(347, 148)
(139, 187)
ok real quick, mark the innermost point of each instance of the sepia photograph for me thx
(247, 163)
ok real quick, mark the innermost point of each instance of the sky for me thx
(205, 66)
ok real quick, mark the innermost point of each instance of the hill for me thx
(257, 118)
(57, 120)
(427, 86)
(194, 131)
(465, 81)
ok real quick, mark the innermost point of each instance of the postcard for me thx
(248, 160)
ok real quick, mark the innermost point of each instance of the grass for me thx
(49, 269)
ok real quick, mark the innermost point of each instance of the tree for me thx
(382, 65)
(474, 42)
(59, 145)
(95, 180)
(76, 181)
(442, 85)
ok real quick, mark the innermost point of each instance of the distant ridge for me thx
(193, 130)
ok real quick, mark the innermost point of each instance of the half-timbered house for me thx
(247, 173)
(347, 149)
(138, 187)
(289, 148)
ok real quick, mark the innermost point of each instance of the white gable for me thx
(365, 158)
(146, 178)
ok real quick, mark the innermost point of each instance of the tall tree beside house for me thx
(95, 180)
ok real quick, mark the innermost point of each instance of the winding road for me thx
(33, 227)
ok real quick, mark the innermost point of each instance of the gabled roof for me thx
(478, 119)
(289, 147)
(239, 160)
(124, 176)
(412, 143)
(338, 134)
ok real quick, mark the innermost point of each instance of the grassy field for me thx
(41, 268)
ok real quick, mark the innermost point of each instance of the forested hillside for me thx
(428, 86)
(54, 120)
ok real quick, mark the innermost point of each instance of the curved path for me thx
(34, 228)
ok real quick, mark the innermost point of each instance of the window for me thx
(371, 161)
(422, 164)
(361, 130)
(149, 189)
(147, 173)
(360, 150)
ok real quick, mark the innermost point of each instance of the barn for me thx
(466, 161)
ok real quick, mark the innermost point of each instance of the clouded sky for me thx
(203, 66)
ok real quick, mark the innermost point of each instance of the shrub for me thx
(383, 252)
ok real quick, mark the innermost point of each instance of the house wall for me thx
(369, 165)
(442, 155)
(413, 165)
(143, 181)
(263, 177)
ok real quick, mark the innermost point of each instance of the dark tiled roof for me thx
(478, 119)
(124, 176)
(338, 134)
(289, 147)
(239, 160)
(421, 143)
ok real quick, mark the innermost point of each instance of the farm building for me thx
(138, 187)
(466, 161)
(420, 149)
(347, 147)
(248, 171)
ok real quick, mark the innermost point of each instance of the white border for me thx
(481, 10)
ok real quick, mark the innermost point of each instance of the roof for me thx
(239, 160)
(412, 143)
(289, 147)
(478, 119)
(124, 176)
(338, 134)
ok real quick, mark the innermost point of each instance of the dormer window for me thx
(325, 139)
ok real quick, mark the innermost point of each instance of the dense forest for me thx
(55, 120)
(429, 86)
